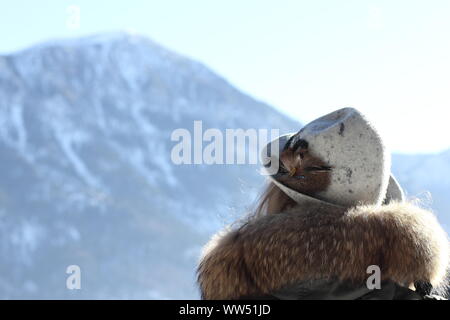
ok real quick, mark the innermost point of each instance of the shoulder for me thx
(265, 253)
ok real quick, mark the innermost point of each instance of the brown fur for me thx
(274, 250)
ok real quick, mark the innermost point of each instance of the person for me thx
(333, 223)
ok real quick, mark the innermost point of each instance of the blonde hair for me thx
(272, 201)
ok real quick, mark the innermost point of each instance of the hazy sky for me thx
(390, 59)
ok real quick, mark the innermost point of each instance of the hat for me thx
(352, 149)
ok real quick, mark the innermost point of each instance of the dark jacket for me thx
(318, 253)
(336, 290)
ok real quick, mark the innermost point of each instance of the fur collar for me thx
(269, 252)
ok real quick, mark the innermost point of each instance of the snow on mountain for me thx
(86, 174)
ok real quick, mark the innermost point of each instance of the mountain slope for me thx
(86, 174)
(427, 178)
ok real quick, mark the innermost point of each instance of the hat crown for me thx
(353, 148)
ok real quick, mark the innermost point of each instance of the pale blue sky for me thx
(390, 59)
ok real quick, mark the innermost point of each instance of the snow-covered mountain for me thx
(86, 173)
(86, 177)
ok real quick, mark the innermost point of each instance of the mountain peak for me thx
(106, 40)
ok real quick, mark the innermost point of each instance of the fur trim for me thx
(270, 252)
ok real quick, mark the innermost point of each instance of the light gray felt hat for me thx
(347, 142)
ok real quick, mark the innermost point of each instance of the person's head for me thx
(338, 159)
